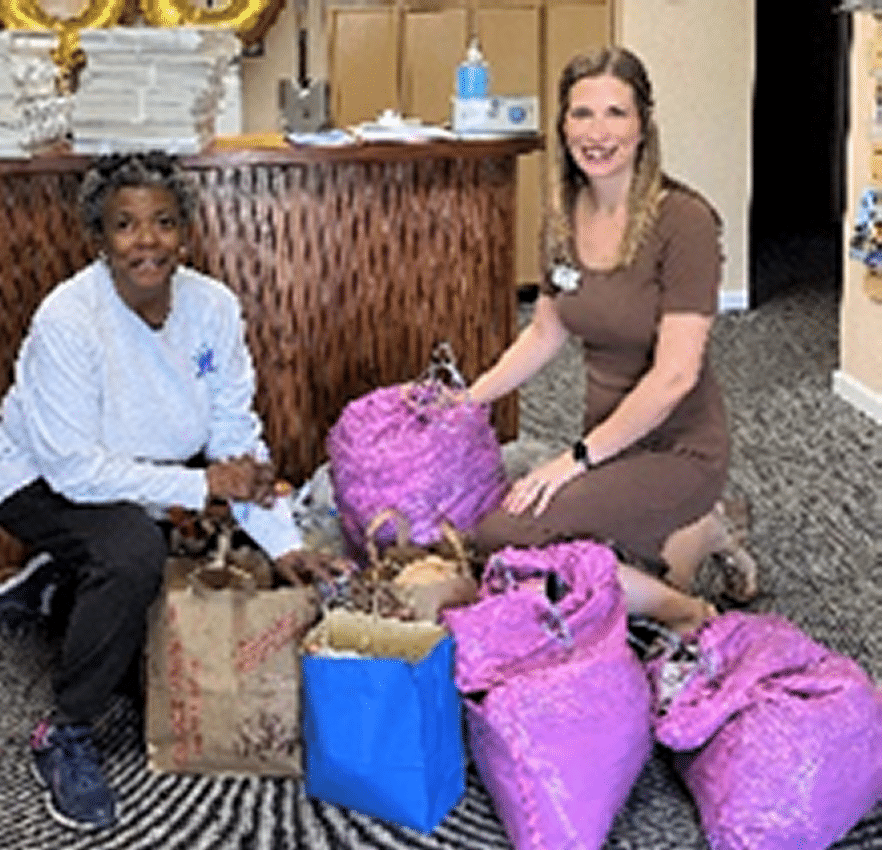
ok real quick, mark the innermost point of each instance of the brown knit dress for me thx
(674, 474)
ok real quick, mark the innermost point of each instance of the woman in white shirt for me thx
(130, 368)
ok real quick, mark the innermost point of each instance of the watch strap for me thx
(581, 454)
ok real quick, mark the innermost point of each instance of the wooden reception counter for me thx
(350, 262)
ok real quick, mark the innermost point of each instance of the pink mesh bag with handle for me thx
(517, 625)
(412, 448)
(558, 716)
(778, 738)
(558, 749)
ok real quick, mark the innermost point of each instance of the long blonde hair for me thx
(648, 184)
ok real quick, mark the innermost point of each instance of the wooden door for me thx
(570, 28)
(362, 62)
(434, 43)
(510, 37)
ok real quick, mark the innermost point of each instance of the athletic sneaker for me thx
(66, 761)
(26, 596)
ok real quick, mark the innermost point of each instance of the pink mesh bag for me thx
(778, 738)
(517, 625)
(560, 727)
(412, 449)
(559, 749)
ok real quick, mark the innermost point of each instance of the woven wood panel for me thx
(348, 271)
(42, 244)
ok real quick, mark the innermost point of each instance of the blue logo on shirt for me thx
(204, 361)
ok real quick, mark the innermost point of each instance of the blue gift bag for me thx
(382, 735)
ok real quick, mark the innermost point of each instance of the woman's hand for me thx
(302, 566)
(459, 395)
(539, 486)
(242, 479)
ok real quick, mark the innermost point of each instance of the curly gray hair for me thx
(109, 173)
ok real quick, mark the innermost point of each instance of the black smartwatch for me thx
(580, 454)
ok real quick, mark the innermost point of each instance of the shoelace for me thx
(81, 755)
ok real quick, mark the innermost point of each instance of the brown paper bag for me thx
(873, 284)
(223, 673)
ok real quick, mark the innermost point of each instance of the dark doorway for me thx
(799, 133)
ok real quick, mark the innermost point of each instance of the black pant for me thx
(114, 554)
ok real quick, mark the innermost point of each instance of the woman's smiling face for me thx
(602, 126)
(142, 237)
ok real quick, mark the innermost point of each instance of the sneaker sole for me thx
(17, 579)
(15, 614)
(59, 816)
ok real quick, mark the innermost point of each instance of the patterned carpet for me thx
(810, 465)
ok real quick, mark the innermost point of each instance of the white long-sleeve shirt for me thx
(106, 408)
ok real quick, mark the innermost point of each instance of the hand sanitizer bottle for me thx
(472, 76)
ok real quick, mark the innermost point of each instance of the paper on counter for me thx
(322, 138)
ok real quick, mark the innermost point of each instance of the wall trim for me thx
(857, 394)
(731, 300)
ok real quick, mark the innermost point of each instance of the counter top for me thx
(270, 148)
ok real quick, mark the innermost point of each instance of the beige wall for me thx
(700, 56)
(859, 378)
(261, 74)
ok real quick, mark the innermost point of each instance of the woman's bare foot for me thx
(720, 535)
(687, 548)
(689, 622)
(647, 596)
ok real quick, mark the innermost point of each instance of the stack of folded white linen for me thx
(10, 116)
(151, 87)
(32, 113)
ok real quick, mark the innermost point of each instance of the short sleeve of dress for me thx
(690, 261)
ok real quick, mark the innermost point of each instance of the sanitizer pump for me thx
(472, 76)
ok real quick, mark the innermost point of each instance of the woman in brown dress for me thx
(633, 270)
